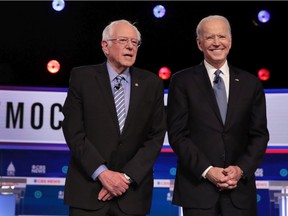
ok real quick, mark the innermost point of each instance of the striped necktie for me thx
(220, 94)
(120, 101)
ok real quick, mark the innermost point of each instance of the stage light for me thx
(58, 5)
(53, 66)
(159, 11)
(264, 74)
(263, 16)
(164, 73)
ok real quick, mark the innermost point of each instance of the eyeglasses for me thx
(125, 40)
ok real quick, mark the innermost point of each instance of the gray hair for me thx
(109, 29)
(199, 30)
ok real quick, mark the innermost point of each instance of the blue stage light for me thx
(263, 16)
(159, 11)
(58, 5)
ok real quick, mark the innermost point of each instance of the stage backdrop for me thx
(34, 156)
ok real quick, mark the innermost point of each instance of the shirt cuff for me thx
(98, 171)
(206, 171)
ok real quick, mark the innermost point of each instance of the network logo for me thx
(283, 172)
(37, 194)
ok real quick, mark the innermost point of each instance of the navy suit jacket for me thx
(200, 139)
(92, 133)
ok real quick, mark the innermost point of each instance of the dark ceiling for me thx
(32, 33)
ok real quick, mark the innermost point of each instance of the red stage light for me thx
(264, 74)
(53, 66)
(164, 73)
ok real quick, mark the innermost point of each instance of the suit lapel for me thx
(234, 92)
(103, 81)
(137, 90)
(204, 85)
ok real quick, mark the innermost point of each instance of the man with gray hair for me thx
(217, 127)
(114, 125)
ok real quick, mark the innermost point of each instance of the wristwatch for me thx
(127, 177)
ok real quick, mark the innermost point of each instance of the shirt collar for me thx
(113, 74)
(210, 69)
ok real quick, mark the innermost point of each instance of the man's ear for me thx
(105, 49)
(199, 44)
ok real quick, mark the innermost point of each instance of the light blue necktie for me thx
(120, 101)
(220, 94)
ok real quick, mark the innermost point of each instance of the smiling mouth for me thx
(216, 50)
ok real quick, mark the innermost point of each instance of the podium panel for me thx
(7, 204)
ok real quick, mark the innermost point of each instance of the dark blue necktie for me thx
(220, 94)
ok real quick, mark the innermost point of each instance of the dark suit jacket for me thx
(199, 138)
(91, 131)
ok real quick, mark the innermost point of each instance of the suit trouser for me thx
(110, 209)
(223, 207)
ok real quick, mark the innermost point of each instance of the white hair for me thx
(199, 30)
(109, 29)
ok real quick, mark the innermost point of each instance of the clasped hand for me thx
(114, 184)
(224, 178)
